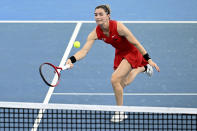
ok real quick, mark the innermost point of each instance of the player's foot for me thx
(118, 117)
(149, 70)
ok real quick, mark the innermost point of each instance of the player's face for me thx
(100, 16)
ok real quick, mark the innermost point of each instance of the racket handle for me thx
(65, 67)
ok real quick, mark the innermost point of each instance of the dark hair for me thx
(106, 8)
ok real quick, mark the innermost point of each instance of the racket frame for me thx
(55, 69)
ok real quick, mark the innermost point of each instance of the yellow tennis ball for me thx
(77, 44)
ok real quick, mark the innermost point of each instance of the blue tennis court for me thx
(28, 45)
(36, 32)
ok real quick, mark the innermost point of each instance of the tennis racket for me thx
(51, 73)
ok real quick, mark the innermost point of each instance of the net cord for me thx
(42, 106)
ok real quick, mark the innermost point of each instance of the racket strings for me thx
(49, 74)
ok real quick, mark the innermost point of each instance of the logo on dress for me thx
(115, 37)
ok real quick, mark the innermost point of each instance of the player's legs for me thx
(117, 77)
(131, 76)
(121, 77)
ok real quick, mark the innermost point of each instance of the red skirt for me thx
(134, 57)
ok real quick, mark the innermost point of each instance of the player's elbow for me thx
(135, 44)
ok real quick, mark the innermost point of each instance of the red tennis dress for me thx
(124, 49)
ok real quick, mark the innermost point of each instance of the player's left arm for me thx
(124, 31)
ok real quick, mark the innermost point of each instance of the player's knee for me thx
(115, 80)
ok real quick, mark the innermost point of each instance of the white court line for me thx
(189, 22)
(62, 63)
(127, 94)
(64, 58)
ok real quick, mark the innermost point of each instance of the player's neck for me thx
(105, 26)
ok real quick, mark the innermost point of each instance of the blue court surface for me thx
(35, 32)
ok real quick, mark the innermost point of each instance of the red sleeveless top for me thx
(124, 49)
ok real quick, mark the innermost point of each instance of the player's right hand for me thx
(68, 62)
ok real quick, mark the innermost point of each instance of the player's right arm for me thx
(85, 49)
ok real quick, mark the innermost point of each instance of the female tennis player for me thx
(130, 56)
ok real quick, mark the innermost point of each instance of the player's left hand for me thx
(153, 64)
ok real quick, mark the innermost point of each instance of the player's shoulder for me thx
(120, 24)
(120, 27)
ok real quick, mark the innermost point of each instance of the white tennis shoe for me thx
(118, 117)
(149, 70)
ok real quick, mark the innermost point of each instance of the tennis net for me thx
(63, 117)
